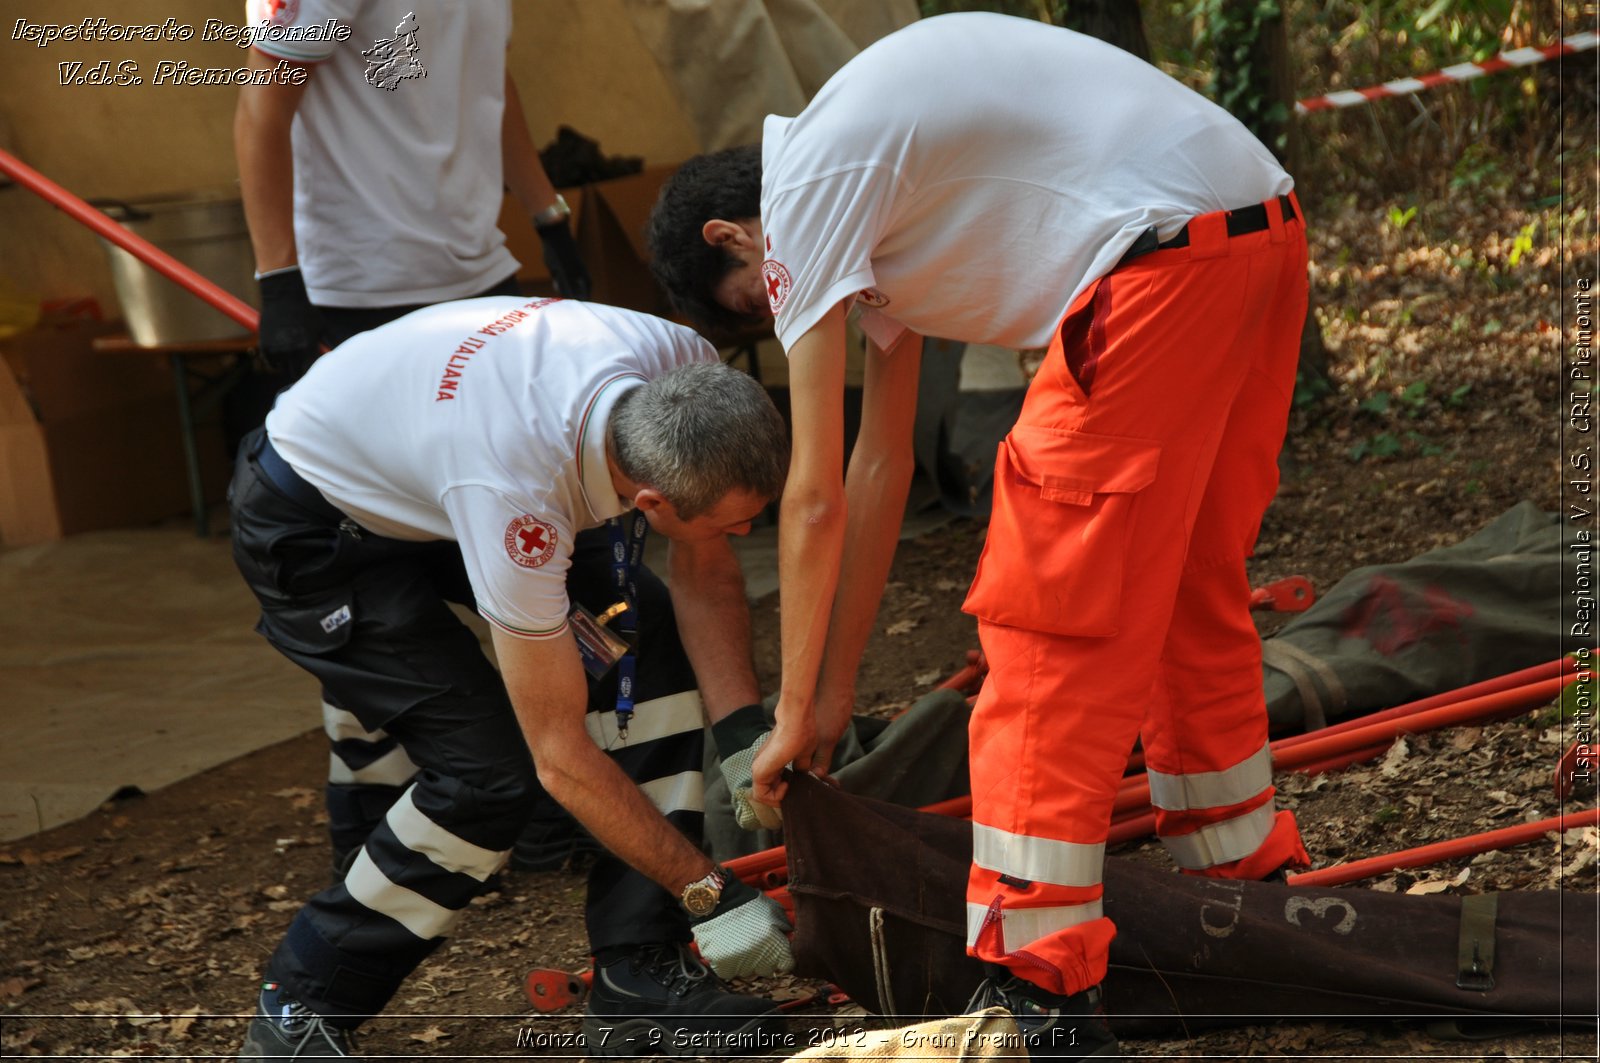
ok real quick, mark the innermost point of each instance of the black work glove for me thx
(739, 737)
(290, 325)
(561, 258)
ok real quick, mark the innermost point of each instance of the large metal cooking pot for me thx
(204, 231)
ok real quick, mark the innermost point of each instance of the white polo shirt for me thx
(397, 191)
(969, 175)
(481, 421)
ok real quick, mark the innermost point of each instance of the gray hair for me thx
(699, 432)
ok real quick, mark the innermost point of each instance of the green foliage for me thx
(1399, 219)
(1412, 401)
(1524, 242)
(1382, 445)
(1310, 389)
(1578, 697)
(1051, 11)
(1232, 30)
(1415, 397)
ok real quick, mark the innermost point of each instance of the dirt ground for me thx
(141, 929)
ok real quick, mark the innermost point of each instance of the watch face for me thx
(700, 899)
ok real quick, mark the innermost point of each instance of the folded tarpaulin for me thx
(880, 910)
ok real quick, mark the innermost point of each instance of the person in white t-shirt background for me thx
(496, 431)
(996, 180)
(374, 187)
(371, 189)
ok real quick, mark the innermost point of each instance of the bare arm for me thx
(261, 122)
(876, 486)
(523, 172)
(713, 616)
(546, 682)
(811, 527)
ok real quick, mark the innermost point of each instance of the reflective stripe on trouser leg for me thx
(1219, 823)
(1042, 861)
(1097, 494)
(1230, 811)
(367, 772)
(664, 755)
(353, 944)
(1034, 896)
(1205, 734)
(361, 757)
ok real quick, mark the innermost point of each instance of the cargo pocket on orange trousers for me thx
(1058, 535)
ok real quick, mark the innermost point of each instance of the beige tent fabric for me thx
(990, 1034)
(128, 658)
(733, 62)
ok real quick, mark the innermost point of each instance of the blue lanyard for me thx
(627, 550)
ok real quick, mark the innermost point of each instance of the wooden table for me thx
(215, 365)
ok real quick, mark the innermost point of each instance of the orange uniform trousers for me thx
(1112, 597)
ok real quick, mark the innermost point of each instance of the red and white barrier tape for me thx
(1578, 42)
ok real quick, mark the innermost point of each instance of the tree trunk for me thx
(1114, 21)
(1251, 62)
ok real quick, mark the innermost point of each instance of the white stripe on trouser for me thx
(675, 714)
(684, 792)
(1212, 789)
(1037, 859)
(426, 919)
(1021, 927)
(1221, 843)
(394, 768)
(341, 724)
(656, 718)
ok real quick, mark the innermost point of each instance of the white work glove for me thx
(745, 934)
(739, 736)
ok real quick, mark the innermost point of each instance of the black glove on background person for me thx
(561, 258)
(290, 327)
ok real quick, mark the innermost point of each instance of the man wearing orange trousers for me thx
(996, 180)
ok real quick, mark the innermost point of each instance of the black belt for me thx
(1251, 219)
(291, 484)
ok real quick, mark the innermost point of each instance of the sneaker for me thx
(1053, 1026)
(662, 1000)
(284, 1028)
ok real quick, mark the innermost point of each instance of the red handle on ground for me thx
(1450, 850)
(135, 245)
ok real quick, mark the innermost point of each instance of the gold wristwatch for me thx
(700, 897)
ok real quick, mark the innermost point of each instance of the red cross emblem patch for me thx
(778, 283)
(530, 541)
(283, 12)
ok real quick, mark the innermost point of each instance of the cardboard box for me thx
(608, 220)
(90, 440)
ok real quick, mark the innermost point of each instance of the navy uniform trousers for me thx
(369, 617)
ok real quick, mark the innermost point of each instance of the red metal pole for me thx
(137, 246)
(1560, 666)
(1448, 850)
(1498, 705)
(1348, 743)
(1324, 750)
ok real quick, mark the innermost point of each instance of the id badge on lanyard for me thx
(602, 647)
